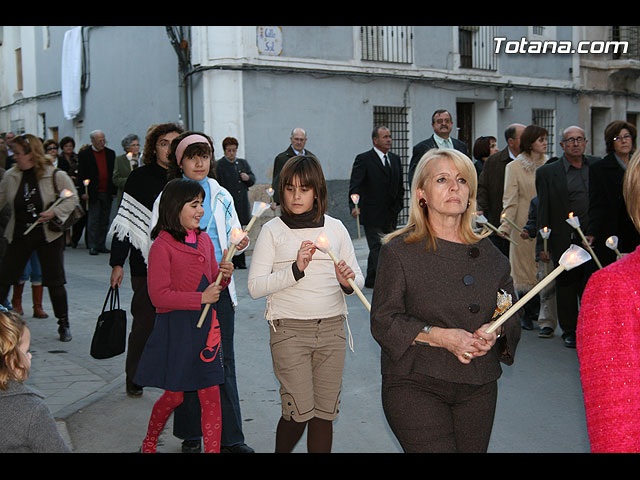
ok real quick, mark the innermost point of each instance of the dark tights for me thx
(319, 435)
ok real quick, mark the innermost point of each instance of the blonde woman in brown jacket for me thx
(28, 188)
(434, 298)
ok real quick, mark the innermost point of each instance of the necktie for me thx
(387, 166)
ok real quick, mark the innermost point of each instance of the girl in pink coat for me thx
(179, 356)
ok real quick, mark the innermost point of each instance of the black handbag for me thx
(109, 338)
(55, 224)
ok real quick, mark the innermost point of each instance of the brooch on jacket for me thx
(503, 303)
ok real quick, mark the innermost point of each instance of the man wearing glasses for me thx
(562, 185)
(442, 124)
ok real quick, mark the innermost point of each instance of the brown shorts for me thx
(308, 360)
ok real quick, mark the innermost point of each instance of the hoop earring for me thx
(423, 203)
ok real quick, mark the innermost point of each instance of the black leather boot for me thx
(63, 329)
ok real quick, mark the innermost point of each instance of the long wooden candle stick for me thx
(574, 221)
(63, 195)
(355, 198)
(482, 220)
(511, 222)
(322, 242)
(571, 258)
(235, 238)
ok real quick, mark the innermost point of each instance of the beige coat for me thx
(519, 190)
(9, 187)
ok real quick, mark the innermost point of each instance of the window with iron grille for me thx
(630, 35)
(545, 118)
(396, 120)
(387, 43)
(476, 47)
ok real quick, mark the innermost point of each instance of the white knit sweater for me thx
(318, 294)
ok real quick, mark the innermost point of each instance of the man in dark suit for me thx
(377, 177)
(442, 124)
(562, 185)
(297, 147)
(96, 164)
(491, 182)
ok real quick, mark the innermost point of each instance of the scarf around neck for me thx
(303, 220)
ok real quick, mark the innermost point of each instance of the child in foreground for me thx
(27, 425)
(306, 308)
(178, 356)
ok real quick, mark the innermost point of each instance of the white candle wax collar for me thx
(544, 233)
(355, 198)
(573, 221)
(612, 242)
(573, 257)
(259, 208)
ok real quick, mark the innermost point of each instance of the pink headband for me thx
(185, 142)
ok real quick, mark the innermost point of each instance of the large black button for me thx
(474, 252)
(474, 308)
(468, 280)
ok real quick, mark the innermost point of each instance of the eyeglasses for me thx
(623, 137)
(575, 140)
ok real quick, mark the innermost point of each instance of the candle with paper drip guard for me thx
(573, 257)
(511, 222)
(86, 191)
(355, 198)
(482, 220)
(322, 242)
(612, 243)
(235, 237)
(544, 233)
(66, 193)
(270, 193)
(574, 221)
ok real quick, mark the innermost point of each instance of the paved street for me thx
(540, 405)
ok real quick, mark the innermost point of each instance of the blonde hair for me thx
(418, 227)
(32, 144)
(12, 366)
(631, 189)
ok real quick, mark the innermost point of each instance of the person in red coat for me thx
(608, 342)
(178, 356)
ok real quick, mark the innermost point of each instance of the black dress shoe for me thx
(240, 448)
(93, 251)
(527, 324)
(191, 446)
(65, 334)
(104, 250)
(134, 390)
(570, 341)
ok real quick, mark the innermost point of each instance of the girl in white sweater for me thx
(306, 308)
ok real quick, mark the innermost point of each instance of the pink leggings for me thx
(211, 418)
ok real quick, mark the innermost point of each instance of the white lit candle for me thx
(544, 233)
(64, 194)
(355, 198)
(270, 192)
(322, 242)
(573, 257)
(86, 191)
(574, 221)
(482, 220)
(235, 237)
(612, 243)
